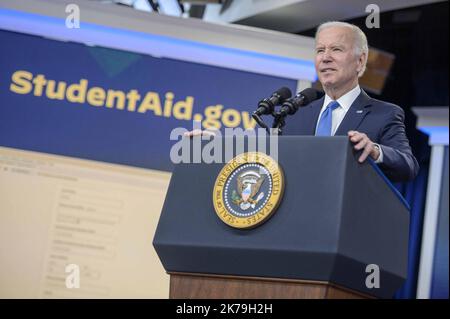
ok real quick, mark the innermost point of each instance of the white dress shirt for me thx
(338, 114)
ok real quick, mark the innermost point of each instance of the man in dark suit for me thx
(375, 127)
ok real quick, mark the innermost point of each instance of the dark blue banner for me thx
(115, 106)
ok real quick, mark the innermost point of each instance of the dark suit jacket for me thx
(381, 121)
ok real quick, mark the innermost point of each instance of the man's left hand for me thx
(362, 142)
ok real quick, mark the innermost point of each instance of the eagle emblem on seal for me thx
(248, 185)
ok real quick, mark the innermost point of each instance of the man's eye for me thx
(319, 50)
(337, 49)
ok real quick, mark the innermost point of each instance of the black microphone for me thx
(302, 98)
(267, 106)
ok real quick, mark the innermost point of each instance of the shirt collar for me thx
(346, 100)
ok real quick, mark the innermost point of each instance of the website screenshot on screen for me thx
(72, 228)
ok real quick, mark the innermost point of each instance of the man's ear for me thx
(361, 61)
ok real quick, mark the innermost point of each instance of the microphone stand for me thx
(260, 122)
(278, 122)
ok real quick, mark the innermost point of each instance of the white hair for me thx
(360, 39)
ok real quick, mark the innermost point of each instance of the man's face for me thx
(336, 63)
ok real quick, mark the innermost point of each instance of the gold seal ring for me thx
(248, 190)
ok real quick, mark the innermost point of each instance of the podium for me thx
(341, 231)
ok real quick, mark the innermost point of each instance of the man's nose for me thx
(326, 57)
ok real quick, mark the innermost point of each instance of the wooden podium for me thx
(196, 286)
(337, 217)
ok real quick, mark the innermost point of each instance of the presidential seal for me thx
(248, 190)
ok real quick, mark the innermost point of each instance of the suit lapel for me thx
(315, 108)
(355, 115)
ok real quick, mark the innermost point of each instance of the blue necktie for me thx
(324, 126)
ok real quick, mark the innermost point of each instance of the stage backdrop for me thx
(115, 106)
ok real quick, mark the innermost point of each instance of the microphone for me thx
(267, 105)
(302, 98)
